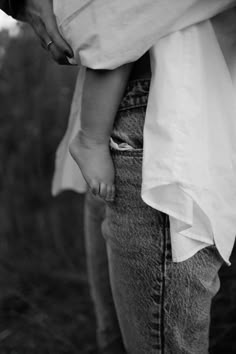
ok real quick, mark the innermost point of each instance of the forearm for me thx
(110, 84)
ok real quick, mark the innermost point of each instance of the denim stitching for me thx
(158, 292)
(164, 265)
(155, 325)
(134, 105)
(127, 153)
(136, 95)
(167, 257)
(168, 240)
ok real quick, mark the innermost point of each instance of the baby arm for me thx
(102, 94)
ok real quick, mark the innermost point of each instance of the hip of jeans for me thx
(129, 121)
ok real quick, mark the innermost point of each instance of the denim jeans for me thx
(108, 332)
(161, 306)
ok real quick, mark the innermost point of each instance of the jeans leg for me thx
(108, 332)
(162, 306)
(189, 289)
(137, 252)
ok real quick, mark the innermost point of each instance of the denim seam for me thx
(163, 290)
(131, 100)
(133, 83)
(166, 259)
(128, 153)
(159, 295)
(133, 106)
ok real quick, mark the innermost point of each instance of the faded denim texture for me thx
(162, 307)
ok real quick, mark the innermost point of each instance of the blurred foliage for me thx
(35, 97)
(44, 301)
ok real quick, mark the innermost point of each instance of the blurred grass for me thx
(45, 306)
(44, 301)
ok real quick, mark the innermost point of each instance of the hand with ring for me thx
(39, 14)
(48, 44)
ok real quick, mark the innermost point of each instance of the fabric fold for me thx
(110, 33)
(189, 165)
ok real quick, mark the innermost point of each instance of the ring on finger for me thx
(49, 44)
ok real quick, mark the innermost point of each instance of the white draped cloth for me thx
(189, 164)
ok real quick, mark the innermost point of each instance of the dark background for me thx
(45, 306)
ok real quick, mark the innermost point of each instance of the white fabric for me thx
(189, 165)
(109, 33)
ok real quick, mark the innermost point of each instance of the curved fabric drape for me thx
(111, 33)
(189, 164)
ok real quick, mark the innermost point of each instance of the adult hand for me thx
(39, 14)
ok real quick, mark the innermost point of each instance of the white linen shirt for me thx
(189, 163)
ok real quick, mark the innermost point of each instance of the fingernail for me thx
(69, 54)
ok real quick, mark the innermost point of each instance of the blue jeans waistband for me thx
(136, 94)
